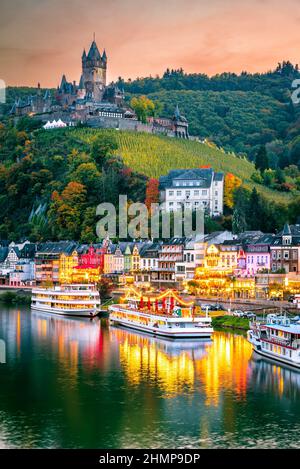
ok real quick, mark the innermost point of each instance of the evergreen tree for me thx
(279, 176)
(261, 159)
(238, 221)
(103, 147)
(255, 211)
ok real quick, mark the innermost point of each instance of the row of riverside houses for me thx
(220, 263)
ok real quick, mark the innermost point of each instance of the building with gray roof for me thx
(195, 189)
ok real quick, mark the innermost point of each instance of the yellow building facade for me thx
(67, 266)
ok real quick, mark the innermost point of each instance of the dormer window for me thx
(286, 240)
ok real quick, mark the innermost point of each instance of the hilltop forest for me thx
(51, 182)
(237, 112)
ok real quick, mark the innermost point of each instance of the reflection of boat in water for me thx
(180, 367)
(164, 315)
(267, 373)
(196, 348)
(67, 300)
(278, 338)
(170, 365)
(69, 328)
(269, 362)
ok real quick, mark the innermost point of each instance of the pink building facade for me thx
(254, 259)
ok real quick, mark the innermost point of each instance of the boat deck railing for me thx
(288, 343)
(160, 313)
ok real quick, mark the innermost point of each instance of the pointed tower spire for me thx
(81, 83)
(83, 55)
(94, 52)
(63, 82)
(286, 230)
(177, 112)
(104, 56)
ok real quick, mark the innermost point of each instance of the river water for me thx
(72, 383)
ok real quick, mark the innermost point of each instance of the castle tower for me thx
(180, 124)
(94, 72)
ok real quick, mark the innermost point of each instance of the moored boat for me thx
(81, 300)
(277, 338)
(165, 315)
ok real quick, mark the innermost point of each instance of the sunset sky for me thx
(41, 39)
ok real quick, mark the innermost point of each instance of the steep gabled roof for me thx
(178, 116)
(94, 52)
(81, 84)
(63, 81)
(60, 247)
(28, 251)
(286, 230)
(188, 174)
(202, 175)
(3, 253)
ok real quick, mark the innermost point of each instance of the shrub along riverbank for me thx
(231, 322)
(12, 298)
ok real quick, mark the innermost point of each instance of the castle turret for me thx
(180, 124)
(94, 54)
(94, 72)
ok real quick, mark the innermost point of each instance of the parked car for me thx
(291, 298)
(249, 315)
(275, 298)
(204, 306)
(219, 307)
(238, 313)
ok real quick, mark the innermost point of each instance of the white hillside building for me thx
(199, 188)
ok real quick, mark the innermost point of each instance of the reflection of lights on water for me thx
(70, 338)
(223, 364)
(225, 367)
(171, 373)
(18, 334)
(212, 367)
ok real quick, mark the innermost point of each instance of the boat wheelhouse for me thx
(277, 338)
(165, 315)
(70, 300)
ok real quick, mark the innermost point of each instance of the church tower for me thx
(94, 72)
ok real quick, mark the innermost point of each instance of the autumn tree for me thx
(88, 226)
(143, 107)
(152, 192)
(232, 183)
(105, 287)
(67, 209)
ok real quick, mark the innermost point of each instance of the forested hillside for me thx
(237, 112)
(52, 181)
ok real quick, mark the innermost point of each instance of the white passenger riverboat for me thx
(277, 338)
(166, 315)
(81, 300)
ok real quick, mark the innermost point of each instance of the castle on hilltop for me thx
(92, 90)
(94, 103)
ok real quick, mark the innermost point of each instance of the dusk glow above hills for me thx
(40, 40)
